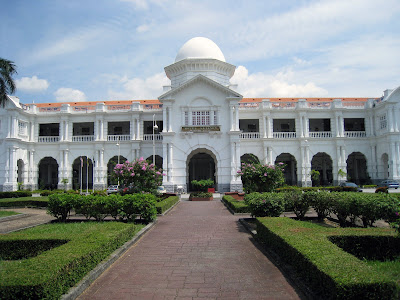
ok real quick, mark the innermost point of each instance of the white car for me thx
(112, 189)
(161, 190)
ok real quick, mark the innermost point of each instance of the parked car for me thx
(350, 185)
(112, 189)
(390, 184)
(161, 190)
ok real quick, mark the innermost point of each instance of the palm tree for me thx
(7, 84)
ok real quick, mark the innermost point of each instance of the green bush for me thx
(201, 194)
(51, 273)
(24, 202)
(321, 202)
(328, 270)
(237, 206)
(60, 206)
(163, 205)
(265, 204)
(16, 194)
(202, 185)
(296, 201)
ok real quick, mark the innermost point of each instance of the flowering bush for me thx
(261, 178)
(138, 176)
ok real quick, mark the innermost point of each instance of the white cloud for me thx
(138, 88)
(279, 85)
(143, 4)
(143, 28)
(32, 84)
(68, 94)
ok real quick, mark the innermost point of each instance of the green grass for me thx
(4, 213)
(24, 202)
(390, 268)
(53, 272)
(331, 272)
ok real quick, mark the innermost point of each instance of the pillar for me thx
(169, 119)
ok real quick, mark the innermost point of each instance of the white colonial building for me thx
(199, 128)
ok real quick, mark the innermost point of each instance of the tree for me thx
(7, 84)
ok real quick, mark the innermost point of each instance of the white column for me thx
(269, 149)
(165, 119)
(169, 119)
(231, 110)
(371, 126)
(137, 129)
(236, 117)
(61, 130)
(237, 160)
(12, 166)
(343, 156)
(67, 128)
(341, 126)
(390, 119)
(170, 165)
(306, 126)
(395, 127)
(265, 126)
(301, 126)
(165, 163)
(32, 135)
(132, 128)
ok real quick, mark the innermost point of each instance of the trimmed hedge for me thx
(265, 204)
(51, 273)
(166, 204)
(331, 272)
(16, 194)
(237, 206)
(24, 202)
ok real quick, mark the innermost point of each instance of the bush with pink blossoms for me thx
(261, 178)
(138, 176)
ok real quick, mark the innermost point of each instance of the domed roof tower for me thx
(199, 55)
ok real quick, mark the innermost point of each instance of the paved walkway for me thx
(31, 217)
(199, 250)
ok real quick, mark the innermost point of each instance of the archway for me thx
(290, 170)
(20, 171)
(249, 158)
(385, 165)
(357, 168)
(159, 161)
(48, 173)
(110, 168)
(82, 173)
(322, 163)
(201, 164)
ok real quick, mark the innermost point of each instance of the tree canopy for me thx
(7, 84)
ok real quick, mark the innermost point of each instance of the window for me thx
(382, 121)
(22, 127)
(200, 118)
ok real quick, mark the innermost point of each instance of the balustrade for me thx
(355, 134)
(284, 135)
(320, 134)
(149, 137)
(250, 135)
(115, 138)
(83, 138)
(48, 139)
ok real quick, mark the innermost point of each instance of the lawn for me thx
(53, 257)
(4, 213)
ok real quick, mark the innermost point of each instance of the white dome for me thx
(200, 47)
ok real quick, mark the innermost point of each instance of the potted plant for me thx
(202, 187)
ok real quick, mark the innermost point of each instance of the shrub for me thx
(265, 204)
(24, 202)
(139, 204)
(165, 204)
(60, 206)
(321, 202)
(16, 194)
(296, 202)
(382, 189)
(200, 195)
(261, 178)
(202, 185)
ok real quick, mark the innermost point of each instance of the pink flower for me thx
(133, 174)
(265, 174)
(144, 168)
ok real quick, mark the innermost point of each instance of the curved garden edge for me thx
(79, 288)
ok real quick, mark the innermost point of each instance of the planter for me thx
(211, 190)
(236, 195)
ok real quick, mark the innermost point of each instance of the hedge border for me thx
(21, 202)
(331, 272)
(165, 205)
(235, 206)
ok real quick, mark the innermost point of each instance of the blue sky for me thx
(97, 50)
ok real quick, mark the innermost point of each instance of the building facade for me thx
(200, 128)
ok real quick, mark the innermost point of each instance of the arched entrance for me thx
(159, 161)
(290, 170)
(322, 163)
(48, 173)
(357, 168)
(20, 172)
(110, 168)
(249, 158)
(201, 164)
(82, 173)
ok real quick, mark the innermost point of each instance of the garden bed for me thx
(166, 204)
(24, 202)
(330, 271)
(235, 206)
(67, 252)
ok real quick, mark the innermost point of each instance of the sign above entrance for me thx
(201, 128)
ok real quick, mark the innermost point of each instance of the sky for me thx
(99, 50)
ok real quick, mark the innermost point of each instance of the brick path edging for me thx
(81, 286)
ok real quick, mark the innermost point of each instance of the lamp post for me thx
(119, 153)
(155, 127)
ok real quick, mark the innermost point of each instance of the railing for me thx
(354, 105)
(284, 135)
(83, 108)
(283, 105)
(49, 109)
(250, 135)
(149, 137)
(48, 139)
(319, 105)
(115, 138)
(118, 107)
(355, 134)
(249, 105)
(83, 138)
(320, 134)
(152, 106)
